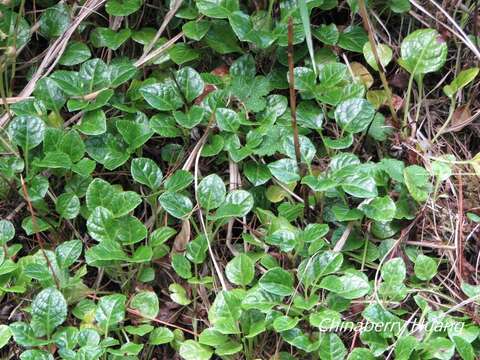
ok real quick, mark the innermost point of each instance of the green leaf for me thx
(110, 311)
(129, 230)
(93, 123)
(160, 335)
(399, 6)
(354, 115)
(99, 193)
(36, 355)
(227, 120)
(5, 335)
(182, 266)
(325, 319)
(307, 149)
(26, 131)
(164, 96)
(226, 311)
(48, 91)
(197, 249)
(124, 202)
(245, 30)
(328, 34)
(221, 38)
(55, 20)
(7, 231)
(277, 281)
(217, 8)
(464, 348)
(360, 185)
(180, 180)
(14, 24)
(49, 310)
(94, 74)
(192, 350)
(285, 170)
(384, 54)
(257, 174)
(177, 205)
(240, 270)
(135, 132)
(100, 223)
(122, 7)
(331, 347)
(146, 172)
(75, 53)
(182, 53)
(237, 203)
(394, 271)
(417, 182)
(352, 285)
(178, 294)
(146, 303)
(106, 37)
(190, 83)
(192, 118)
(353, 38)
(425, 267)
(196, 30)
(361, 354)
(464, 78)
(105, 252)
(68, 205)
(423, 51)
(211, 192)
(405, 347)
(304, 79)
(68, 252)
(36, 188)
(380, 209)
(38, 226)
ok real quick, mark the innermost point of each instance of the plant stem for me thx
(368, 27)
(447, 122)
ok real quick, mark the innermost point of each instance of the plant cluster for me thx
(223, 191)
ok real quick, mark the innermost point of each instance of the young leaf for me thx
(425, 267)
(49, 310)
(110, 311)
(240, 270)
(146, 172)
(423, 51)
(211, 192)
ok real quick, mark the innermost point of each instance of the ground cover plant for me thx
(224, 179)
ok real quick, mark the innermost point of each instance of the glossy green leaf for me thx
(354, 115)
(110, 311)
(383, 51)
(277, 281)
(68, 205)
(49, 310)
(240, 270)
(122, 7)
(177, 205)
(146, 172)
(423, 51)
(463, 78)
(425, 267)
(75, 53)
(146, 303)
(211, 192)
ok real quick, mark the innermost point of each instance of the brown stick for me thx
(368, 27)
(35, 228)
(460, 244)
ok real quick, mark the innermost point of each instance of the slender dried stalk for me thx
(368, 27)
